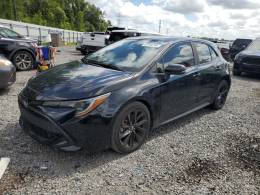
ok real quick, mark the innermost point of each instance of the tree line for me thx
(76, 15)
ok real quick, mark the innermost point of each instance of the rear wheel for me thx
(23, 60)
(221, 95)
(131, 128)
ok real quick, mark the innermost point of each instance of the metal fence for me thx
(40, 32)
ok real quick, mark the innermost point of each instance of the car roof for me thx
(244, 39)
(172, 39)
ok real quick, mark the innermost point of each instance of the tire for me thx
(236, 72)
(221, 95)
(131, 128)
(23, 60)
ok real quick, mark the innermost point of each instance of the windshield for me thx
(127, 55)
(9, 33)
(255, 45)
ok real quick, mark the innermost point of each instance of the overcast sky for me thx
(228, 19)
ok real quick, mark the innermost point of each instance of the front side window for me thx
(179, 54)
(203, 53)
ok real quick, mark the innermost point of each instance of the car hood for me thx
(250, 53)
(75, 80)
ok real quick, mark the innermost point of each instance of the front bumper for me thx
(59, 130)
(45, 130)
(7, 76)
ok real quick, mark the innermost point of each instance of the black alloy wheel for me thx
(23, 60)
(131, 128)
(221, 96)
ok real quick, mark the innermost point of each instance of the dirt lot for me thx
(206, 152)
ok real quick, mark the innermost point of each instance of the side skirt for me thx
(184, 114)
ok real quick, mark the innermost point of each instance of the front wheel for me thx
(130, 128)
(221, 95)
(23, 60)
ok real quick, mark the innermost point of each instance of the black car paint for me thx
(248, 61)
(66, 81)
(238, 46)
(166, 96)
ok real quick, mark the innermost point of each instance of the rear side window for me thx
(203, 53)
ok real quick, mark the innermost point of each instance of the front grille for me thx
(35, 118)
(42, 132)
(39, 127)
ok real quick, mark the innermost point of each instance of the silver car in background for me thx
(7, 72)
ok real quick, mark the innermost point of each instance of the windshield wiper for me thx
(111, 66)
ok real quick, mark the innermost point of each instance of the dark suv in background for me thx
(238, 46)
(248, 61)
(17, 48)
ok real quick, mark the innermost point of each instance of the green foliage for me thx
(68, 14)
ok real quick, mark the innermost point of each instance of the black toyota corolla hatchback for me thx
(115, 96)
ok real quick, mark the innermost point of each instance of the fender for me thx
(30, 50)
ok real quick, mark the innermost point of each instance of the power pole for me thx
(14, 9)
(160, 25)
(119, 19)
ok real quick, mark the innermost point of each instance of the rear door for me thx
(178, 92)
(209, 69)
(4, 45)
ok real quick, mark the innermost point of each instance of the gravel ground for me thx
(206, 152)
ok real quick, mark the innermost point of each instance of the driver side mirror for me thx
(176, 69)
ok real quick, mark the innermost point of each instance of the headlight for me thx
(237, 58)
(82, 107)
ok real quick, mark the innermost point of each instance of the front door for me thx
(178, 92)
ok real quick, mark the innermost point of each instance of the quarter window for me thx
(203, 53)
(179, 54)
(213, 53)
